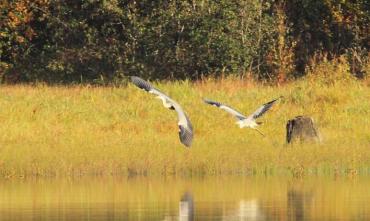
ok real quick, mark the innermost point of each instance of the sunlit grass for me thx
(81, 130)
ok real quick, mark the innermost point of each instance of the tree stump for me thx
(301, 128)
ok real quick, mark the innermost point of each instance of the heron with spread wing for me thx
(185, 127)
(242, 120)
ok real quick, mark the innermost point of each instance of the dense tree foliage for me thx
(102, 41)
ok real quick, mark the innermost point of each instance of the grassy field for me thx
(82, 130)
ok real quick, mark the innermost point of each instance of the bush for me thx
(329, 72)
(104, 41)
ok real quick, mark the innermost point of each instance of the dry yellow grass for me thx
(81, 130)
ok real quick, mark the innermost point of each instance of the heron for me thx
(185, 126)
(242, 120)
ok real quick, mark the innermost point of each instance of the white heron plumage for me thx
(242, 120)
(165, 102)
(185, 127)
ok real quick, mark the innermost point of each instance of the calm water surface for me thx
(225, 198)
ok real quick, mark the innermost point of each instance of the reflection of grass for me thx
(83, 130)
(276, 198)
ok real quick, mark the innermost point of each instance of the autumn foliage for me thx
(104, 41)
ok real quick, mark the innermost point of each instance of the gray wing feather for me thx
(226, 108)
(186, 135)
(263, 109)
(214, 103)
(186, 129)
(140, 83)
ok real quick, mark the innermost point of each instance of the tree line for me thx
(103, 41)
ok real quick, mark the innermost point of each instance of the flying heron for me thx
(185, 127)
(242, 120)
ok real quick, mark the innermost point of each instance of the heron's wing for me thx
(142, 84)
(185, 127)
(185, 135)
(226, 108)
(261, 110)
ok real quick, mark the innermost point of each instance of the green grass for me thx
(81, 130)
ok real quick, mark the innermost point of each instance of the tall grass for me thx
(82, 130)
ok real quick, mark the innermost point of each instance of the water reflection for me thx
(223, 199)
(186, 207)
(298, 204)
(247, 210)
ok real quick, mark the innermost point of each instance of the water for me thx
(223, 198)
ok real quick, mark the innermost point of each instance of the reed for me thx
(84, 130)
